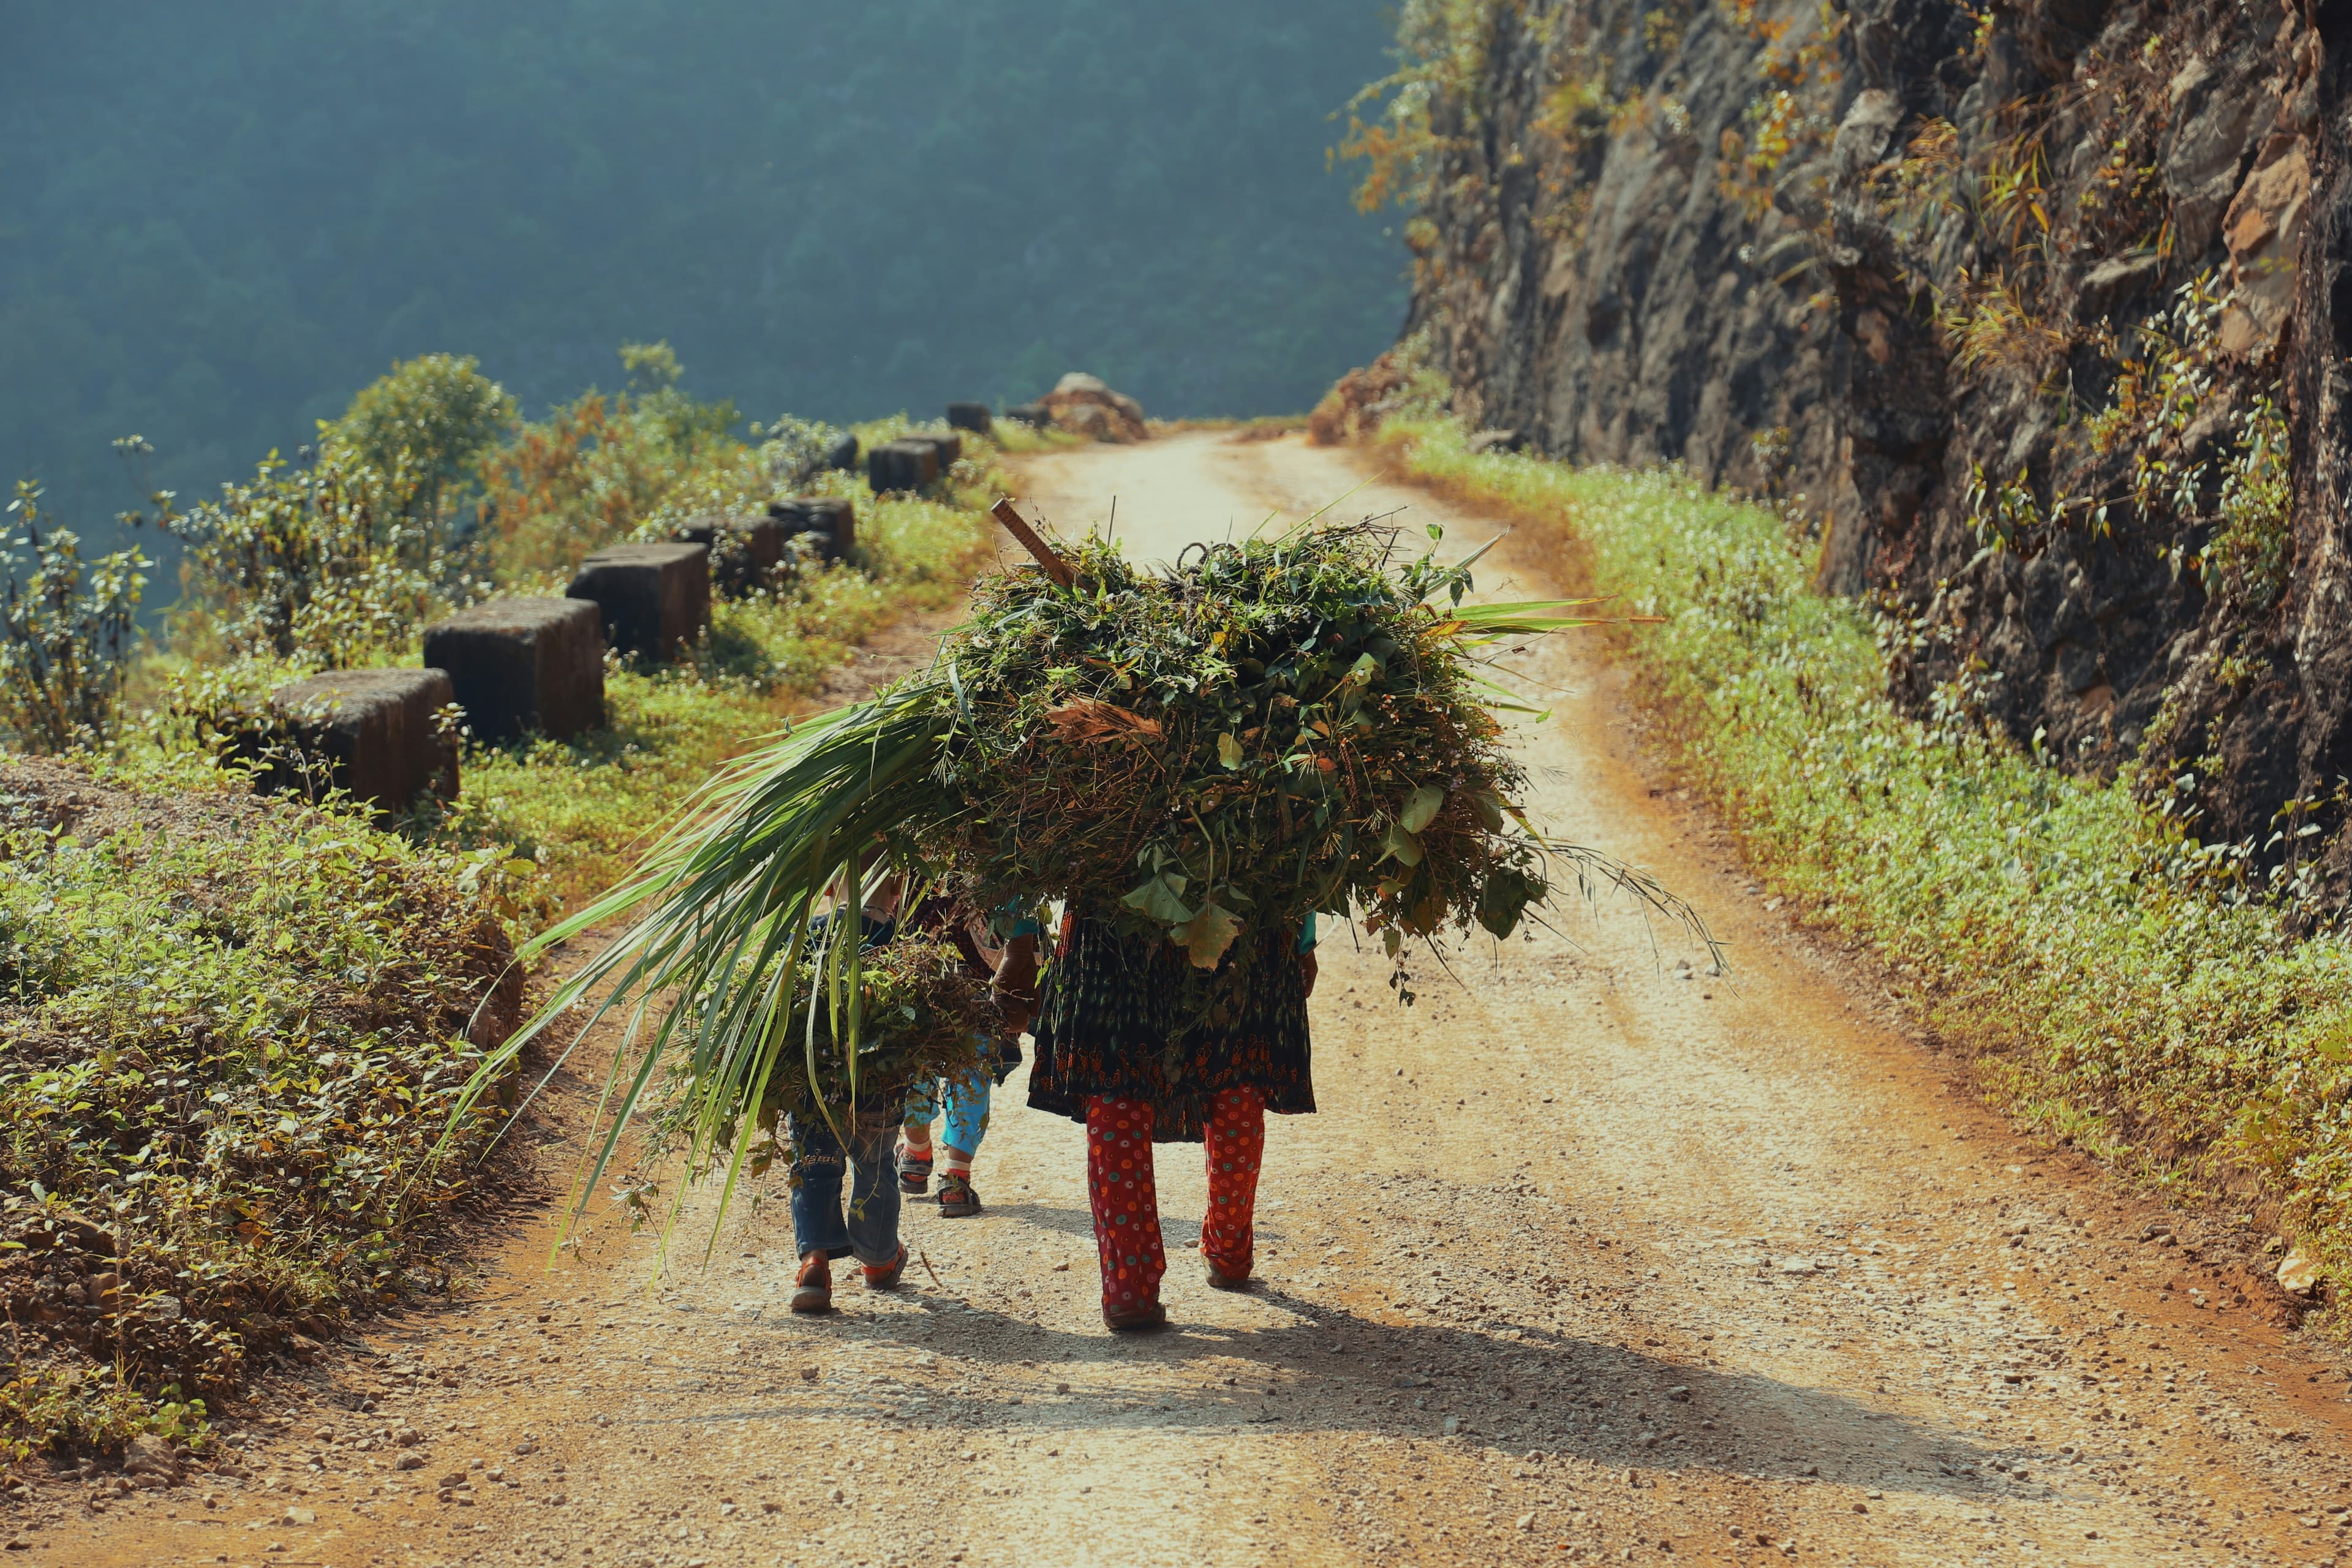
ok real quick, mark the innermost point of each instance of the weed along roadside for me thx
(2121, 988)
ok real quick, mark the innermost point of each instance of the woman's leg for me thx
(1125, 1202)
(965, 1124)
(1236, 1143)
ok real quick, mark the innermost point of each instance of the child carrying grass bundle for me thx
(921, 1014)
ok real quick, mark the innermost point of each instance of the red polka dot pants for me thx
(1126, 1200)
(1236, 1143)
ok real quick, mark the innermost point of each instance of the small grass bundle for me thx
(916, 1013)
(1276, 727)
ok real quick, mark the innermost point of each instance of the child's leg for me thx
(967, 1122)
(922, 1104)
(1125, 1202)
(1236, 1143)
(915, 1138)
(816, 1195)
(873, 1219)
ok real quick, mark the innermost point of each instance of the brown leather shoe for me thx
(886, 1277)
(1135, 1319)
(812, 1286)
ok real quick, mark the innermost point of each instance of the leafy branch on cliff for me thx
(2196, 457)
(1789, 120)
(1441, 53)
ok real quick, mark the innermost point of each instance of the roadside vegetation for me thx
(2123, 987)
(231, 1025)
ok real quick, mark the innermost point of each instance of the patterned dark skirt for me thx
(1130, 1016)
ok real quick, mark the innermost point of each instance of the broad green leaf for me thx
(1229, 750)
(1158, 901)
(1400, 845)
(1422, 809)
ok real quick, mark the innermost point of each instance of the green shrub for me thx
(319, 564)
(2127, 992)
(430, 419)
(67, 631)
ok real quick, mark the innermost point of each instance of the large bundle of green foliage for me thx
(1281, 726)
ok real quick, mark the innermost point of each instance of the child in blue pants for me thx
(823, 1229)
(966, 1104)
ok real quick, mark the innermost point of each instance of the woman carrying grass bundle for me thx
(1116, 1051)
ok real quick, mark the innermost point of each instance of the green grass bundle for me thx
(1276, 727)
(916, 1013)
(1279, 727)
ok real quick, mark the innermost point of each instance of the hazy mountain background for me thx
(217, 222)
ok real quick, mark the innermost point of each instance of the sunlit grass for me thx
(2041, 917)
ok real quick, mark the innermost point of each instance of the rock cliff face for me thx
(2037, 315)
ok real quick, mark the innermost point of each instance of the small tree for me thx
(67, 631)
(598, 469)
(429, 420)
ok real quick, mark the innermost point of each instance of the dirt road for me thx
(1595, 1255)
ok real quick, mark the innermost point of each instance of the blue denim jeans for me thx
(868, 1231)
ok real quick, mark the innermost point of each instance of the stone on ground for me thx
(826, 525)
(744, 551)
(522, 667)
(902, 465)
(371, 733)
(1084, 405)
(653, 599)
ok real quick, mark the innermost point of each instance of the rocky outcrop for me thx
(2036, 322)
(1085, 404)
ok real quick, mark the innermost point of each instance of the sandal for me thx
(812, 1286)
(1135, 1319)
(887, 1276)
(914, 1168)
(1221, 1280)
(957, 1198)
